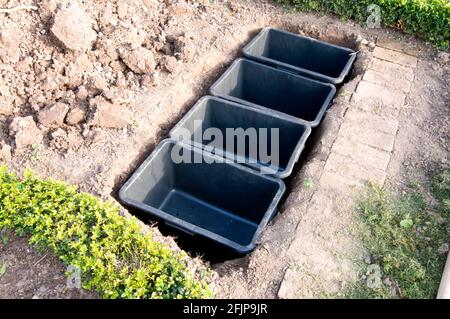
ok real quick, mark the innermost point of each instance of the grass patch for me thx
(427, 18)
(114, 255)
(403, 235)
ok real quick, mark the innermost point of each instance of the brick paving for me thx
(360, 153)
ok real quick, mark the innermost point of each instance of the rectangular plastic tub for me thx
(245, 122)
(302, 55)
(225, 202)
(261, 86)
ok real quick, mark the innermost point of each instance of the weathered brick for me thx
(368, 95)
(388, 79)
(395, 56)
(396, 45)
(400, 71)
(368, 135)
(372, 121)
(334, 182)
(362, 153)
(352, 170)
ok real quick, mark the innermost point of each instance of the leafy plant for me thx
(2, 270)
(403, 234)
(308, 183)
(427, 18)
(4, 237)
(114, 255)
(36, 148)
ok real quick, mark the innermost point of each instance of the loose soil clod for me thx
(73, 27)
(108, 115)
(25, 131)
(54, 115)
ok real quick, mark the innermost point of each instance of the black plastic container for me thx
(226, 202)
(246, 123)
(302, 55)
(261, 86)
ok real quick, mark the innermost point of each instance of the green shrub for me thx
(427, 18)
(115, 257)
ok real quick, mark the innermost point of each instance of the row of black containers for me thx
(285, 82)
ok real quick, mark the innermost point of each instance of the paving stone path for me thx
(360, 153)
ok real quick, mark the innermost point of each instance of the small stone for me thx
(170, 64)
(54, 115)
(372, 45)
(179, 9)
(6, 106)
(364, 42)
(122, 9)
(367, 260)
(82, 93)
(150, 80)
(443, 249)
(73, 27)
(181, 47)
(443, 57)
(107, 114)
(118, 66)
(139, 60)
(59, 139)
(97, 84)
(107, 15)
(24, 64)
(5, 153)
(75, 71)
(75, 116)
(387, 281)
(234, 7)
(25, 131)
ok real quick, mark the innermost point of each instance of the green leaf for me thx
(407, 223)
(2, 270)
(5, 239)
(308, 183)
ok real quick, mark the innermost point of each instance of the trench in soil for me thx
(195, 245)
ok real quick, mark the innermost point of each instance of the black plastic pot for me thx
(261, 86)
(302, 55)
(247, 123)
(225, 202)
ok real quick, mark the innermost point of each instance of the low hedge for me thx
(427, 18)
(115, 257)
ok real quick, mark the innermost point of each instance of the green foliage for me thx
(403, 236)
(427, 18)
(2, 270)
(115, 257)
